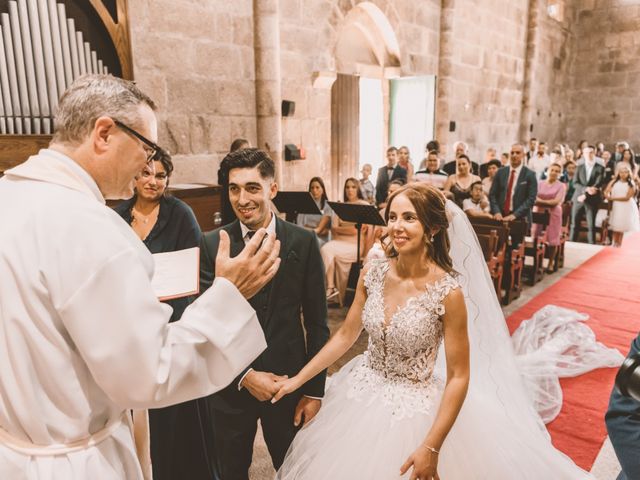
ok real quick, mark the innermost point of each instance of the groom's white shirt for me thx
(82, 336)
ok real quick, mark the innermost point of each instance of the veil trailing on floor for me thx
(498, 406)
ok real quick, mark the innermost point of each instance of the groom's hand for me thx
(262, 385)
(306, 409)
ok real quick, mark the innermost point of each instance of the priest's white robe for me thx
(82, 335)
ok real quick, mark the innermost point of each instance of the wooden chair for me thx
(511, 242)
(516, 254)
(564, 233)
(535, 248)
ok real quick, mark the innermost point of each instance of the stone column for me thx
(266, 36)
(444, 86)
(526, 113)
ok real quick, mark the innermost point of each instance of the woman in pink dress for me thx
(550, 197)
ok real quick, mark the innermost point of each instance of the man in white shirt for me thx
(540, 161)
(83, 337)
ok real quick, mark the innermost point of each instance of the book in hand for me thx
(177, 274)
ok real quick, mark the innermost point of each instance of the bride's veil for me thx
(495, 381)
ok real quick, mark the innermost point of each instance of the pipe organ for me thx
(44, 46)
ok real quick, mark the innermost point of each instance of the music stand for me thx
(360, 215)
(293, 203)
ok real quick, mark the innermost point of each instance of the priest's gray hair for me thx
(91, 97)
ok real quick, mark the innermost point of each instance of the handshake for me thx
(266, 386)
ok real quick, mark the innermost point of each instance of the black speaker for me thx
(452, 126)
(291, 152)
(288, 108)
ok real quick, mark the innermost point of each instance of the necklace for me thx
(138, 217)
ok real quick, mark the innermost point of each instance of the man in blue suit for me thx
(514, 189)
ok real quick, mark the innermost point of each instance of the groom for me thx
(298, 286)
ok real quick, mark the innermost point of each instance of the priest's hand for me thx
(306, 409)
(262, 385)
(254, 267)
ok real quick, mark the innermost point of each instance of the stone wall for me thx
(502, 65)
(605, 74)
(549, 58)
(481, 74)
(196, 60)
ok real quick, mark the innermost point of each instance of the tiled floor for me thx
(606, 466)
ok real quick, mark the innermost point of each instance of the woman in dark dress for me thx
(179, 434)
(459, 185)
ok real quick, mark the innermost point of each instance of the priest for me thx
(83, 338)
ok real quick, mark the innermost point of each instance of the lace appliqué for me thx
(399, 362)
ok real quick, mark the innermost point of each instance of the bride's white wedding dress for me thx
(380, 406)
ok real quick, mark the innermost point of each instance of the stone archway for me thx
(366, 45)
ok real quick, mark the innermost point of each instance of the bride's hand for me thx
(285, 387)
(425, 464)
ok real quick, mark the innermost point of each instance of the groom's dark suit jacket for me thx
(299, 286)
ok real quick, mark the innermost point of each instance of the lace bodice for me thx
(401, 356)
(405, 349)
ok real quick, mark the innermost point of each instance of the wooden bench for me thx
(511, 238)
(494, 256)
(536, 248)
(564, 234)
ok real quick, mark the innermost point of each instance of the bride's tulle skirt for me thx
(368, 426)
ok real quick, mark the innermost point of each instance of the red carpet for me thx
(607, 288)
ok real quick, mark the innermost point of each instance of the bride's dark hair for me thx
(429, 203)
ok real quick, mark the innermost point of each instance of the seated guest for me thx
(569, 178)
(404, 160)
(179, 437)
(492, 167)
(569, 155)
(620, 148)
(339, 253)
(551, 193)
(460, 148)
(460, 183)
(320, 224)
(368, 190)
(587, 196)
(432, 146)
(375, 248)
(388, 173)
(477, 205)
(489, 155)
(432, 173)
(393, 186)
(609, 166)
(628, 157)
(514, 189)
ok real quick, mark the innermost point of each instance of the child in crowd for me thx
(367, 188)
(624, 210)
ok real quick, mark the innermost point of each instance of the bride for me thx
(424, 401)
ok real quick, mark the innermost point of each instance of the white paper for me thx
(177, 274)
